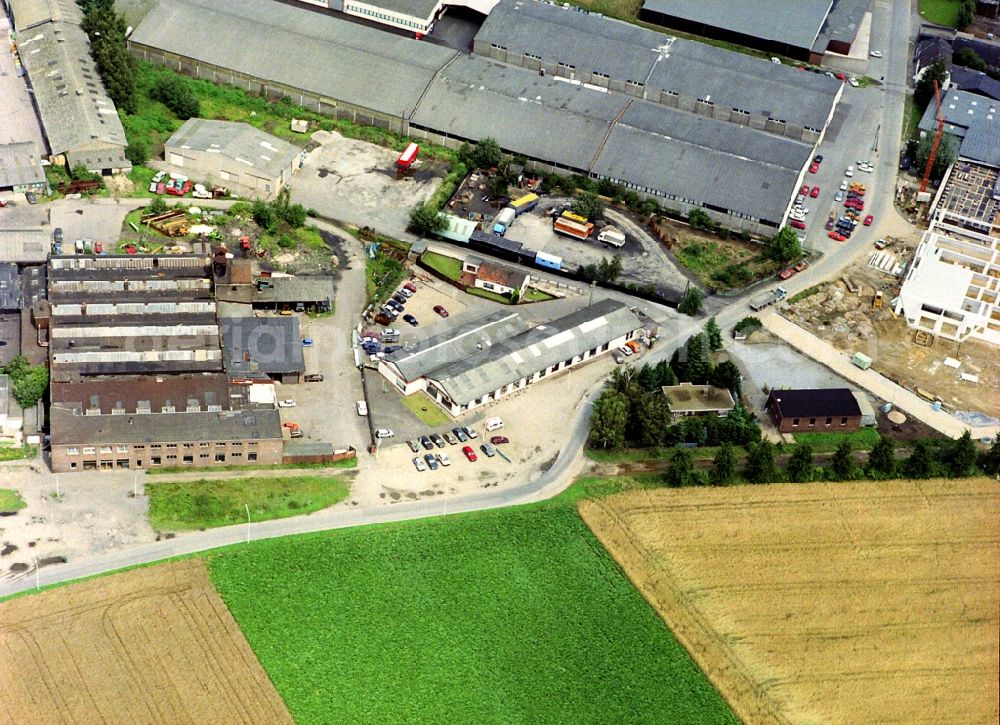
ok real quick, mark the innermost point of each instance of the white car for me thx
(418, 462)
(156, 180)
(384, 433)
(876, 54)
(286, 403)
(850, 171)
(843, 186)
(362, 407)
(776, 60)
(443, 459)
(625, 350)
(854, 82)
(405, 292)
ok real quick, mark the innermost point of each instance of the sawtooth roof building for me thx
(79, 120)
(484, 359)
(689, 131)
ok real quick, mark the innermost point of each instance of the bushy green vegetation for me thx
(10, 500)
(169, 470)
(9, 453)
(30, 381)
(204, 504)
(382, 275)
(510, 615)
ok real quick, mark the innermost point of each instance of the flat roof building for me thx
(485, 359)
(237, 155)
(690, 399)
(263, 346)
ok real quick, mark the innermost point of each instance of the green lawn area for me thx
(535, 295)
(426, 410)
(448, 267)
(345, 463)
(10, 500)
(512, 615)
(487, 295)
(942, 12)
(821, 442)
(204, 504)
(9, 453)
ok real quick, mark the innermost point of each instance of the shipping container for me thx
(571, 228)
(408, 156)
(549, 261)
(525, 203)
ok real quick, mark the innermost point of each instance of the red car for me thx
(98, 248)
(837, 236)
(410, 286)
(841, 77)
(813, 167)
(441, 310)
(804, 191)
(469, 453)
(796, 224)
(815, 192)
(786, 273)
(497, 440)
(829, 224)
(868, 220)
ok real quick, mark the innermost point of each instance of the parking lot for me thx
(355, 182)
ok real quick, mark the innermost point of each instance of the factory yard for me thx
(849, 322)
(862, 602)
(154, 645)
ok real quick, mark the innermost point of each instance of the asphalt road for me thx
(555, 479)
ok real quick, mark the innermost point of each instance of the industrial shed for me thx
(484, 360)
(80, 121)
(247, 160)
(426, 91)
(21, 167)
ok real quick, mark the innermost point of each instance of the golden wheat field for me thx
(825, 603)
(150, 645)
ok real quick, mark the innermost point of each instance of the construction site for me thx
(855, 314)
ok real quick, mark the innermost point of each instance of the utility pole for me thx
(35, 560)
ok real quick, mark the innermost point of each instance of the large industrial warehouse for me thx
(690, 131)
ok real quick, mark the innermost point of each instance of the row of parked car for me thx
(456, 436)
(396, 306)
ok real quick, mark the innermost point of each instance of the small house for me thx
(690, 399)
(814, 410)
(494, 277)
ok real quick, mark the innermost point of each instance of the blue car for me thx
(307, 342)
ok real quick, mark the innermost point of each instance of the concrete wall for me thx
(105, 456)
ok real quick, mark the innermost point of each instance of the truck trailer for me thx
(524, 203)
(767, 299)
(406, 159)
(570, 225)
(503, 220)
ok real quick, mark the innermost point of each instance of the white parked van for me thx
(611, 235)
(494, 424)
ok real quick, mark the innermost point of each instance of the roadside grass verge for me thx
(345, 463)
(426, 410)
(205, 504)
(512, 614)
(823, 442)
(804, 294)
(10, 501)
(448, 267)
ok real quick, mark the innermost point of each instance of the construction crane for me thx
(937, 139)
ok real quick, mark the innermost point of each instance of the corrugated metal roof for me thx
(238, 142)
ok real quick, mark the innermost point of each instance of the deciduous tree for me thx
(724, 466)
(800, 463)
(882, 459)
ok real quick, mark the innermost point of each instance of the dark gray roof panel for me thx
(336, 58)
(796, 22)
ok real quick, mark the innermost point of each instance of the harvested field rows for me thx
(150, 645)
(866, 602)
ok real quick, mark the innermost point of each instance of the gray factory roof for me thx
(77, 114)
(269, 345)
(842, 23)
(974, 81)
(796, 22)
(237, 425)
(457, 343)
(415, 8)
(239, 142)
(28, 13)
(533, 115)
(10, 286)
(715, 162)
(133, 394)
(626, 52)
(973, 119)
(294, 289)
(20, 164)
(521, 356)
(326, 55)
(24, 245)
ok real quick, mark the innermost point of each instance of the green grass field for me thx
(821, 442)
(9, 453)
(166, 470)
(512, 615)
(10, 500)
(448, 267)
(426, 410)
(942, 12)
(203, 504)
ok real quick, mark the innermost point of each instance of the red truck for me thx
(406, 159)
